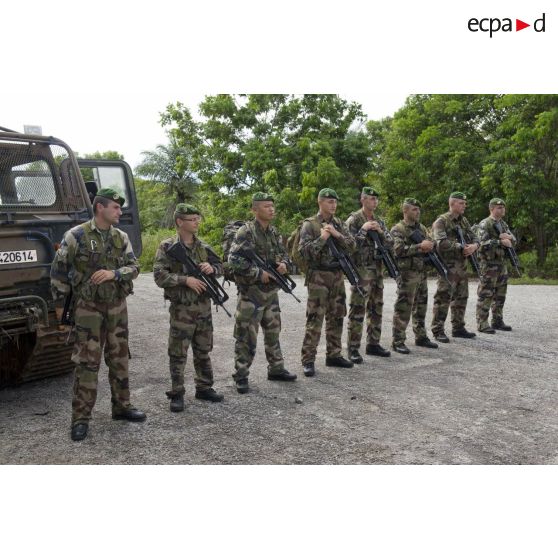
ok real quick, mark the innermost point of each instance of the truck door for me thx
(101, 173)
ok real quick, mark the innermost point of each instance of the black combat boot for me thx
(176, 402)
(501, 326)
(377, 350)
(130, 414)
(425, 342)
(309, 369)
(339, 362)
(209, 395)
(401, 348)
(487, 329)
(354, 356)
(441, 336)
(79, 431)
(242, 385)
(281, 376)
(462, 332)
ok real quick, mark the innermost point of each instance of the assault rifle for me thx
(385, 253)
(472, 257)
(431, 257)
(213, 289)
(511, 253)
(347, 266)
(285, 282)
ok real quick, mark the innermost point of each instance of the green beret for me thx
(496, 201)
(261, 196)
(412, 201)
(458, 196)
(185, 209)
(369, 191)
(110, 194)
(328, 193)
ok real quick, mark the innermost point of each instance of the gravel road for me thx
(491, 400)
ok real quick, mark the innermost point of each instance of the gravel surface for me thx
(491, 400)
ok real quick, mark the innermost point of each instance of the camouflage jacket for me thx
(365, 255)
(491, 249)
(406, 250)
(315, 250)
(444, 234)
(266, 243)
(168, 272)
(82, 252)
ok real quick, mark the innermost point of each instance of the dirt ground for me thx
(491, 400)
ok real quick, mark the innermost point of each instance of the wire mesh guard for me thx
(37, 177)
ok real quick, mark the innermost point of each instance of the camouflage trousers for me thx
(454, 296)
(412, 298)
(190, 324)
(371, 306)
(326, 298)
(100, 325)
(256, 307)
(491, 293)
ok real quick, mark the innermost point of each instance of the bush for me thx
(528, 261)
(151, 241)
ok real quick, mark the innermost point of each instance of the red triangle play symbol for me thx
(519, 25)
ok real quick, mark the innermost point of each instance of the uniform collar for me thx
(178, 240)
(321, 218)
(94, 227)
(258, 226)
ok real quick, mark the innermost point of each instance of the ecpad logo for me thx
(492, 25)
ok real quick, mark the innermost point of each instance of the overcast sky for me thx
(127, 123)
(98, 78)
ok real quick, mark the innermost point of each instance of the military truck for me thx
(44, 191)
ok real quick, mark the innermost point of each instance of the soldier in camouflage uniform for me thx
(190, 307)
(325, 282)
(494, 273)
(455, 294)
(258, 302)
(97, 262)
(412, 287)
(370, 268)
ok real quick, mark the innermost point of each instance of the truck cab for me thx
(44, 191)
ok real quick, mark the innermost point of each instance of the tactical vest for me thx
(267, 247)
(416, 261)
(93, 254)
(182, 294)
(365, 255)
(453, 256)
(493, 253)
(325, 259)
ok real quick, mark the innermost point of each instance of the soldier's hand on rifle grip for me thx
(265, 277)
(374, 226)
(282, 268)
(206, 268)
(195, 284)
(506, 242)
(325, 233)
(469, 249)
(506, 236)
(59, 313)
(426, 246)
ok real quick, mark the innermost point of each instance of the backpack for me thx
(292, 248)
(229, 232)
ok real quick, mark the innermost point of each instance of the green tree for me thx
(168, 169)
(288, 145)
(435, 144)
(523, 166)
